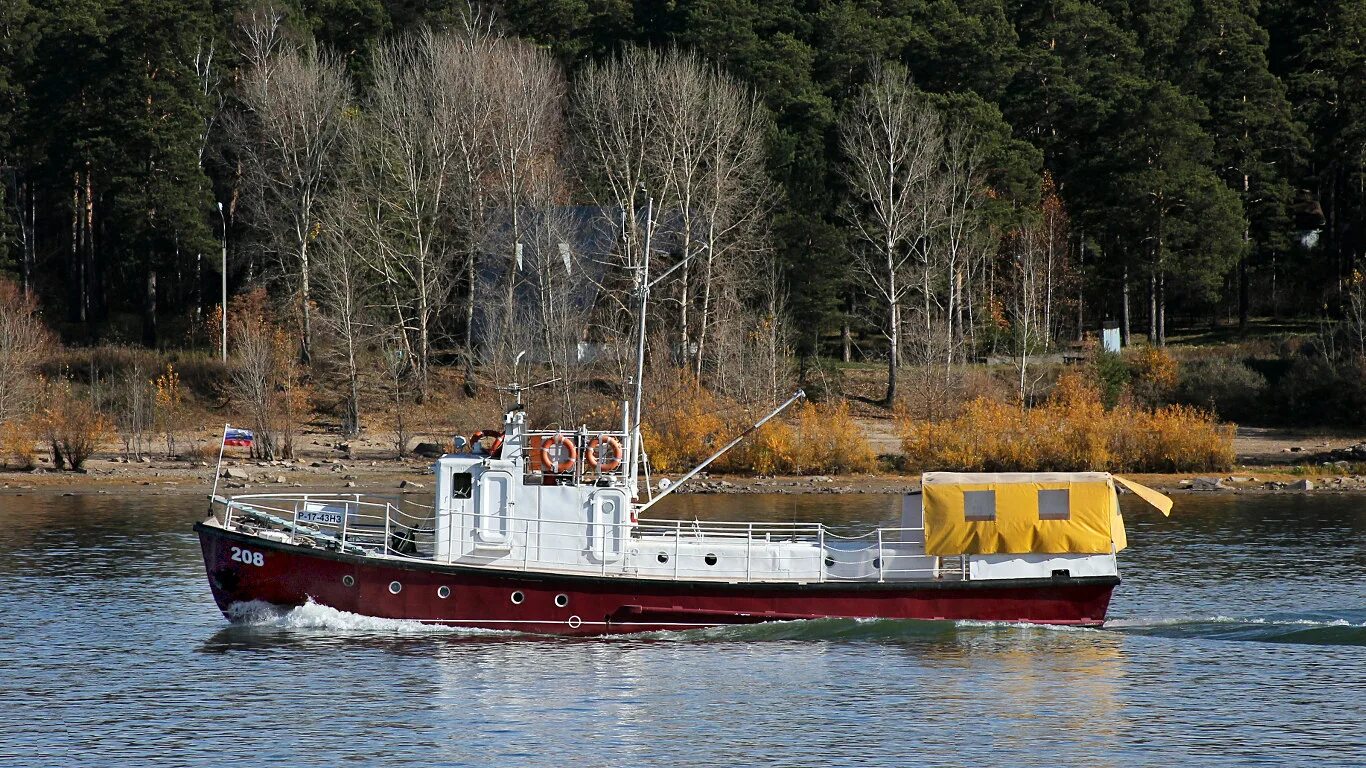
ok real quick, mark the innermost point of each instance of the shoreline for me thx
(1269, 461)
(413, 476)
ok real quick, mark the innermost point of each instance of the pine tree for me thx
(16, 35)
(160, 197)
(1257, 142)
(1187, 223)
(1319, 50)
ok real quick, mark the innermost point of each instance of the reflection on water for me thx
(1237, 638)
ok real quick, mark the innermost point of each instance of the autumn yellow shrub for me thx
(692, 423)
(70, 425)
(683, 428)
(170, 404)
(16, 445)
(1155, 374)
(1072, 431)
(831, 441)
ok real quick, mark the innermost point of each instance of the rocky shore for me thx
(1271, 462)
(162, 477)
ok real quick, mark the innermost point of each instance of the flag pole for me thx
(218, 471)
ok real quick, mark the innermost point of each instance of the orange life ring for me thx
(497, 446)
(566, 464)
(609, 463)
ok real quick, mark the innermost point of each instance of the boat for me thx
(538, 531)
(549, 532)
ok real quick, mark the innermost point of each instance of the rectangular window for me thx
(979, 506)
(462, 485)
(1055, 505)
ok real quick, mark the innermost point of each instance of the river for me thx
(1237, 638)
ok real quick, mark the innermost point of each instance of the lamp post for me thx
(223, 272)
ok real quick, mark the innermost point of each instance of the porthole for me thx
(663, 557)
(829, 561)
(561, 600)
(518, 598)
(348, 580)
(710, 559)
(395, 587)
(877, 563)
(443, 592)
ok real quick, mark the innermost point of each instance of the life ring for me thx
(609, 463)
(495, 449)
(571, 453)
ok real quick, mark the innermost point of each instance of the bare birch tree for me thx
(463, 69)
(287, 136)
(346, 293)
(963, 243)
(712, 132)
(562, 295)
(892, 140)
(528, 91)
(667, 127)
(616, 133)
(405, 157)
(1028, 296)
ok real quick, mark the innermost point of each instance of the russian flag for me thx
(242, 437)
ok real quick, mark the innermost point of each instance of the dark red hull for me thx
(588, 605)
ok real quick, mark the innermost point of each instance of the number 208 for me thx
(248, 557)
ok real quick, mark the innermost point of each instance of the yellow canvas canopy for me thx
(1026, 512)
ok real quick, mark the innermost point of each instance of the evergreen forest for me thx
(910, 184)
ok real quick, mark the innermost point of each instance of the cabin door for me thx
(607, 510)
(494, 502)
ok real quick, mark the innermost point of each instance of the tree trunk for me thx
(29, 229)
(846, 342)
(149, 311)
(1152, 306)
(1124, 308)
(957, 337)
(306, 343)
(469, 327)
(706, 303)
(353, 376)
(78, 302)
(1161, 308)
(94, 289)
(1244, 298)
(1081, 303)
(894, 337)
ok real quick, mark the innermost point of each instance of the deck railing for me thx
(582, 470)
(400, 528)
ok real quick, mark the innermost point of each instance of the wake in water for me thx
(1305, 629)
(312, 616)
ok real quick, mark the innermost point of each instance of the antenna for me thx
(516, 388)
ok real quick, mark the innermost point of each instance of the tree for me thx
(24, 340)
(1257, 143)
(403, 154)
(160, 195)
(16, 36)
(1189, 224)
(528, 90)
(347, 295)
(1316, 49)
(288, 138)
(893, 139)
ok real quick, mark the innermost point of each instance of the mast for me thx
(643, 288)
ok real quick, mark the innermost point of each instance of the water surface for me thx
(1237, 638)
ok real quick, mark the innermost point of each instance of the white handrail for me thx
(369, 526)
